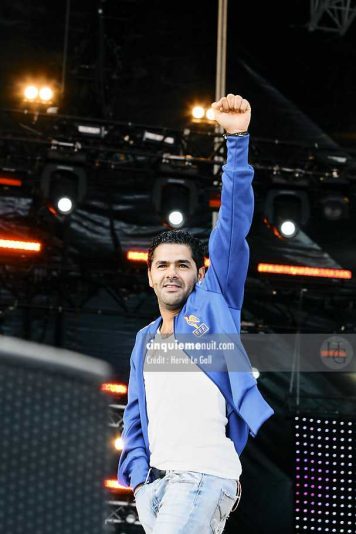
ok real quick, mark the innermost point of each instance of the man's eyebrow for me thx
(177, 261)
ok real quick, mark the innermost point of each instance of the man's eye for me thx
(183, 265)
(160, 266)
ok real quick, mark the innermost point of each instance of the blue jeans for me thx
(187, 503)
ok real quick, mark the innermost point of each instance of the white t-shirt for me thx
(186, 416)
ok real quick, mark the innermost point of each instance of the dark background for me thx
(160, 57)
(148, 63)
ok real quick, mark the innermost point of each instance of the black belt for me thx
(155, 473)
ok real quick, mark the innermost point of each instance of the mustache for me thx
(172, 283)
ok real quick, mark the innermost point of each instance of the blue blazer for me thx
(213, 308)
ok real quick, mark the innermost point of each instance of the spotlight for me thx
(210, 114)
(46, 94)
(63, 186)
(131, 518)
(287, 211)
(335, 207)
(288, 228)
(154, 137)
(65, 205)
(30, 92)
(198, 112)
(176, 219)
(118, 443)
(174, 199)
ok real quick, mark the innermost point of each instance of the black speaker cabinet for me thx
(54, 452)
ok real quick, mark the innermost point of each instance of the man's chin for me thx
(174, 301)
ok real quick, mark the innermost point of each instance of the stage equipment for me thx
(198, 112)
(324, 474)
(38, 94)
(63, 186)
(153, 137)
(114, 389)
(16, 245)
(335, 207)
(54, 440)
(202, 115)
(175, 199)
(287, 210)
(299, 270)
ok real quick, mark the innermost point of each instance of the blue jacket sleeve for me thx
(133, 463)
(228, 248)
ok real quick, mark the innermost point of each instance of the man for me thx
(183, 432)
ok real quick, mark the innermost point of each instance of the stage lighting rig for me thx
(287, 211)
(335, 207)
(38, 96)
(63, 187)
(174, 199)
(202, 114)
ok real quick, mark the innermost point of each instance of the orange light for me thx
(299, 270)
(113, 485)
(214, 203)
(206, 262)
(117, 389)
(14, 182)
(137, 255)
(28, 246)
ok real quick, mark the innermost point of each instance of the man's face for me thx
(173, 275)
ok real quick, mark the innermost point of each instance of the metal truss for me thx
(331, 15)
(116, 415)
(122, 512)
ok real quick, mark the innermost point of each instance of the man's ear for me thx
(149, 277)
(201, 273)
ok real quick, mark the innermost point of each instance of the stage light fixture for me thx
(112, 388)
(303, 270)
(139, 256)
(335, 207)
(210, 114)
(65, 205)
(175, 199)
(198, 112)
(131, 518)
(19, 246)
(287, 211)
(31, 92)
(118, 443)
(46, 94)
(64, 187)
(176, 219)
(288, 228)
(154, 137)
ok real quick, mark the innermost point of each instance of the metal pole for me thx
(220, 81)
(65, 48)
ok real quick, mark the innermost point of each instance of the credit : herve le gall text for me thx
(172, 359)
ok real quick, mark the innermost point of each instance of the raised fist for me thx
(233, 113)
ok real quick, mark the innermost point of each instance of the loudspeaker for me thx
(54, 433)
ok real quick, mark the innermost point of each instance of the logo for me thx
(336, 352)
(194, 321)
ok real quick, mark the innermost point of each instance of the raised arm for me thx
(228, 248)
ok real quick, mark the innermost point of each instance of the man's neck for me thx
(167, 326)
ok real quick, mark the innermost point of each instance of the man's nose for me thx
(171, 272)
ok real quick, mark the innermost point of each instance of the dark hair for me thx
(178, 237)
